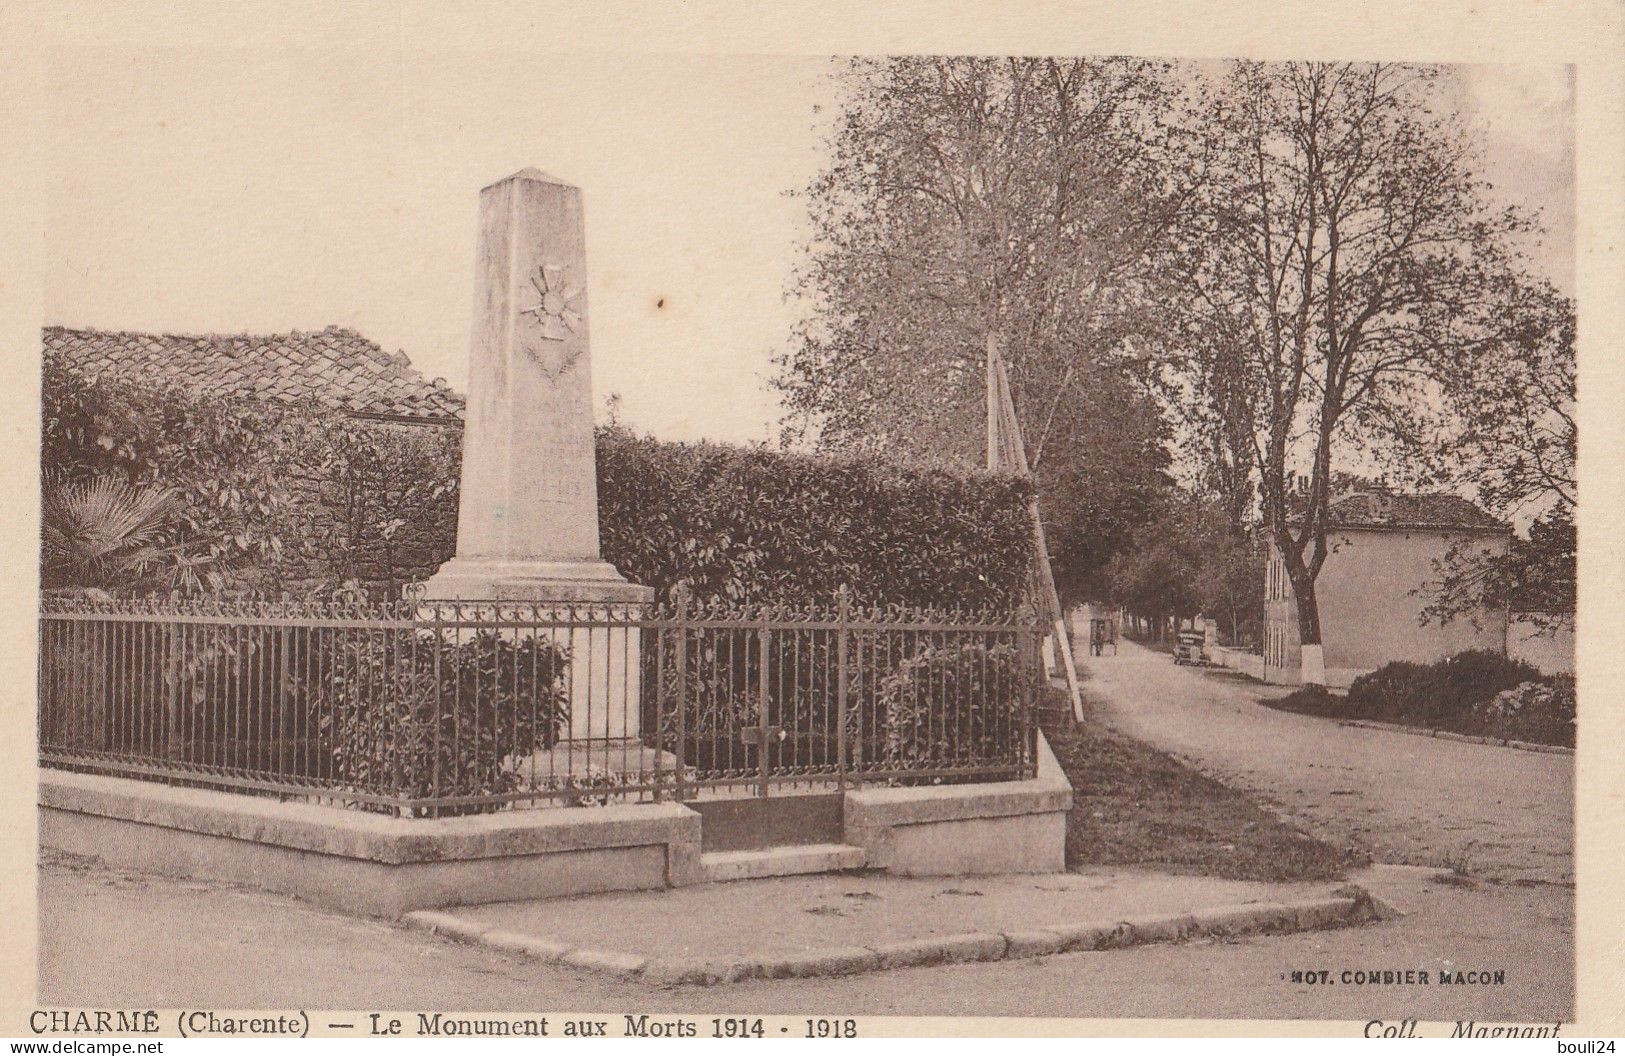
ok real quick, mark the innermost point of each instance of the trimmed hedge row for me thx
(285, 498)
(768, 526)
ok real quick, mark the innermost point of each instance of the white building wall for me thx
(1547, 647)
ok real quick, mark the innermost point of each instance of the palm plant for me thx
(103, 532)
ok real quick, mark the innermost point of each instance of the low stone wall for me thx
(1546, 643)
(368, 863)
(1249, 664)
(955, 830)
(1252, 665)
(385, 866)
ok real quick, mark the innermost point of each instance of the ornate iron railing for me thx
(434, 708)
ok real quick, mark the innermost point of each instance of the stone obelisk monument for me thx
(527, 526)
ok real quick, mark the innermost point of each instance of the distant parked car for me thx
(1188, 650)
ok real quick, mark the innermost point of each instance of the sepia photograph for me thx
(978, 535)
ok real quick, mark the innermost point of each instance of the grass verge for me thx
(1135, 805)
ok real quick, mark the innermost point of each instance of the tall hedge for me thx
(291, 498)
(751, 523)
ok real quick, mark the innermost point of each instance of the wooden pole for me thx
(992, 403)
(1007, 452)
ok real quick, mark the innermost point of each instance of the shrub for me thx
(706, 709)
(1533, 711)
(953, 704)
(196, 693)
(723, 696)
(442, 719)
(1466, 680)
(101, 530)
(1393, 692)
(911, 701)
(1311, 700)
(1443, 693)
(1477, 692)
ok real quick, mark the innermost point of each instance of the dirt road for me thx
(1505, 814)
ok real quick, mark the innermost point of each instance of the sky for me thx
(269, 190)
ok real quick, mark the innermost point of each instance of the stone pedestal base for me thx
(622, 755)
(565, 582)
(596, 767)
(596, 621)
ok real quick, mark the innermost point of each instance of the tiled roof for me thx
(1381, 510)
(335, 368)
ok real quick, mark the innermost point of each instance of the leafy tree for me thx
(969, 200)
(1154, 581)
(1341, 262)
(1229, 584)
(1214, 401)
(1189, 560)
(1519, 443)
(1108, 482)
(1535, 577)
(1543, 576)
(1519, 447)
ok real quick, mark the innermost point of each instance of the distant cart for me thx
(1188, 649)
(1101, 634)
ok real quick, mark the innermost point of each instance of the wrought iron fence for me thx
(436, 708)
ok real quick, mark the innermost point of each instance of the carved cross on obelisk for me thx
(527, 526)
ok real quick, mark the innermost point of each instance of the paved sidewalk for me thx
(117, 939)
(799, 914)
(1507, 814)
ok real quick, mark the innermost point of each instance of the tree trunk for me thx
(1311, 655)
(1308, 610)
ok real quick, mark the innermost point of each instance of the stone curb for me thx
(1347, 906)
(1449, 735)
(445, 924)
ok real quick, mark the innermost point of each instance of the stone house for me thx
(335, 368)
(1382, 551)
